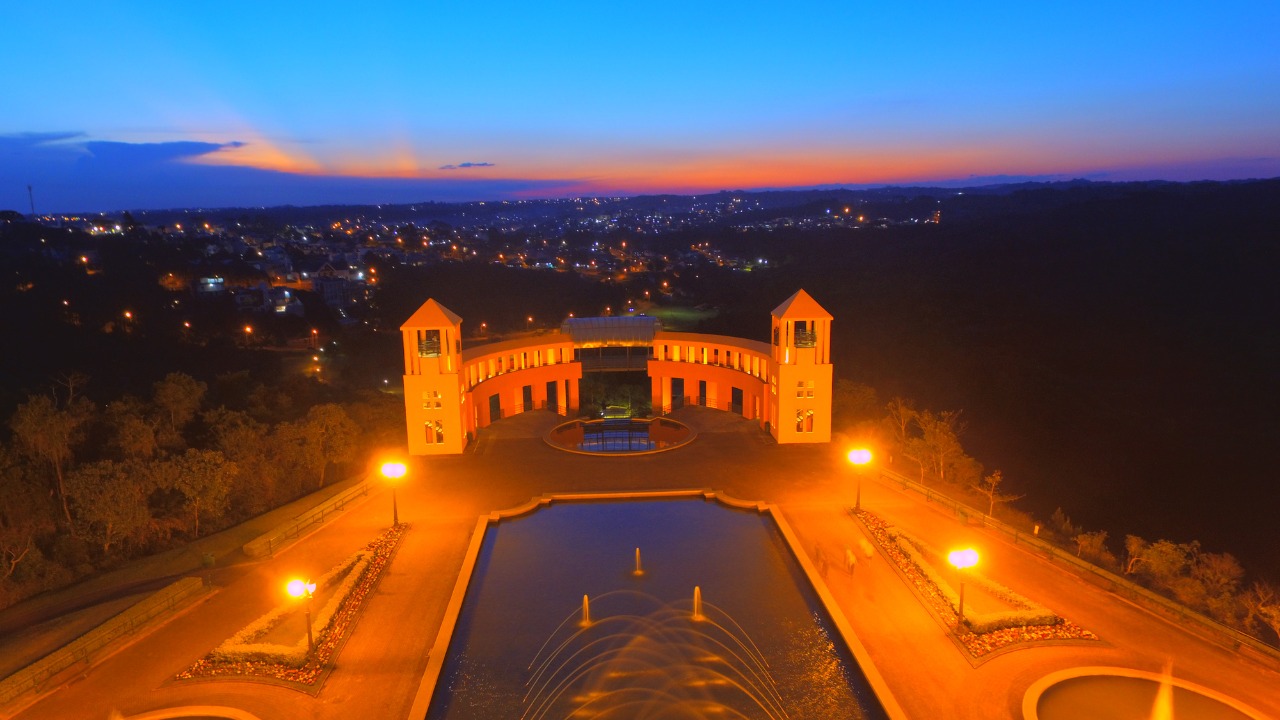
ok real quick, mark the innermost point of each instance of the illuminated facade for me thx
(450, 393)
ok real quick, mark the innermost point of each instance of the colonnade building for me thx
(450, 393)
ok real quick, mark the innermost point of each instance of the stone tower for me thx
(801, 385)
(434, 401)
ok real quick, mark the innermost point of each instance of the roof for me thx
(801, 306)
(432, 314)
(626, 331)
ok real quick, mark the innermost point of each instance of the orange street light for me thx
(962, 560)
(859, 457)
(307, 589)
(393, 471)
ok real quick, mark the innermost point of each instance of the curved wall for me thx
(450, 393)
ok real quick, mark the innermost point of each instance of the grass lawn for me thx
(679, 317)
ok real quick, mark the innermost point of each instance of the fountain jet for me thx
(586, 612)
(639, 570)
(697, 603)
(1163, 708)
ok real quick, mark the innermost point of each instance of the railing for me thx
(806, 339)
(1110, 581)
(505, 413)
(84, 648)
(284, 534)
(429, 348)
(605, 364)
(683, 401)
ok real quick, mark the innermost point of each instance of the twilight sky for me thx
(138, 104)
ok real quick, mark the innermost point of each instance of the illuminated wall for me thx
(437, 411)
(784, 385)
(801, 378)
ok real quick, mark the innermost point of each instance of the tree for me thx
(1133, 547)
(1164, 561)
(245, 442)
(940, 434)
(901, 414)
(133, 433)
(380, 418)
(329, 436)
(917, 450)
(989, 487)
(178, 397)
(204, 478)
(853, 402)
(24, 513)
(1262, 607)
(73, 383)
(15, 546)
(110, 501)
(1092, 546)
(1218, 576)
(591, 394)
(47, 433)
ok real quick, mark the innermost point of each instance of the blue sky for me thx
(150, 104)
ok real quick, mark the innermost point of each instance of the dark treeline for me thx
(1114, 355)
(87, 486)
(913, 440)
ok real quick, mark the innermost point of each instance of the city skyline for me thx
(147, 105)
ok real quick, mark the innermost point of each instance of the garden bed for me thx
(245, 655)
(981, 634)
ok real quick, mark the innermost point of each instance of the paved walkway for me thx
(377, 672)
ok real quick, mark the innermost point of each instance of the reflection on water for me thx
(685, 657)
(761, 649)
(619, 436)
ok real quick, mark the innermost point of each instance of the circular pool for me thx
(1110, 693)
(619, 436)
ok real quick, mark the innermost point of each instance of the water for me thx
(619, 436)
(1111, 697)
(762, 648)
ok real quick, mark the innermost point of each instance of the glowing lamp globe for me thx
(393, 470)
(962, 559)
(298, 588)
(860, 456)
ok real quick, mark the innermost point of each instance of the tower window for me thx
(805, 336)
(429, 344)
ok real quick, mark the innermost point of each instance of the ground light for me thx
(860, 458)
(962, 560)
(307, 589)
(393, 472)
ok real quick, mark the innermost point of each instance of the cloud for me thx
(141, 155)
(460, 166)
(71, 173)
(45, 147)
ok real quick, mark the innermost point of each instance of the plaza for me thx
(377, 672)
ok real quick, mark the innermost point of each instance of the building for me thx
(450, 393)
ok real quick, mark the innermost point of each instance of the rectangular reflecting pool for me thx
(755, 642)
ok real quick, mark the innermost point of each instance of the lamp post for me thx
(393, 471)
(962, 560)
(307, 589)
(859, 457)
